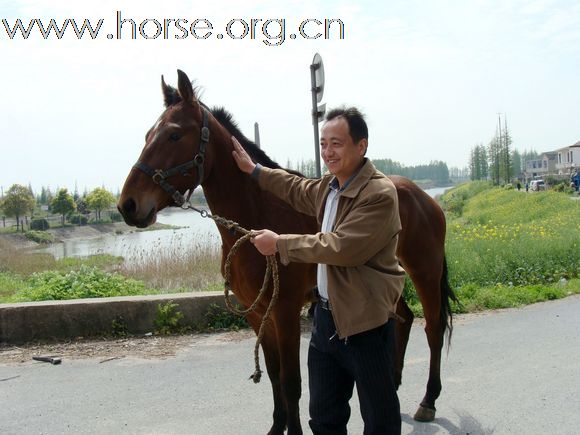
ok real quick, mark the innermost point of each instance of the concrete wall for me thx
(24, 322)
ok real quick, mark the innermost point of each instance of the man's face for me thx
(340, 154)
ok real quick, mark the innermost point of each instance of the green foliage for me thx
(39, 236)
(10, 283)
(101, 261)
(508, 248)
(63, 203)
(82, 206)
(17, 201)
(478, 166)
(453, 201)
(116, 216)
(511, 207)
(100, 199)
(78, 219)
(435, 170)
(119, 327)
(507, 237)
(474, 297)
(218, 317)
(86, 282)
(39, 225)
(563, 186)
(167, 319)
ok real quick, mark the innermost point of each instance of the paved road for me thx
(513, 371)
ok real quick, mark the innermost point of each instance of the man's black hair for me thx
(355, 119)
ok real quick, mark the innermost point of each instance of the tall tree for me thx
(63, 203)
(17, 201)
(493, 157)
(516, 161)
(483, 165)
(506, 140)
(100, 199)
(474, 164)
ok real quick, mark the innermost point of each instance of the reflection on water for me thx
(436, 191)
(132, 245)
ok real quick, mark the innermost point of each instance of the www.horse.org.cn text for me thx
(271, 31)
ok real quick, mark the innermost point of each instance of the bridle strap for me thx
(159, 176)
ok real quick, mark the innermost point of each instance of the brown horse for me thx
(190, 146)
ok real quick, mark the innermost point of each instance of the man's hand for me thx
(242, 158)
(265, 241)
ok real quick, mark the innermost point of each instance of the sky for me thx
(431, 77)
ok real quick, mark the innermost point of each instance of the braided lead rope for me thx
(271, 271)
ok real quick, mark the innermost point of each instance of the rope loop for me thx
(271, 274)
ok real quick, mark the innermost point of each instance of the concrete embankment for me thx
(58, 320)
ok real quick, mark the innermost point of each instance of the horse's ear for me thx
(184, 87)
(168, 93)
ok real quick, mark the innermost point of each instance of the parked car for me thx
(537, 185)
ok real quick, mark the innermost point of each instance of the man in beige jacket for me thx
(359, 276)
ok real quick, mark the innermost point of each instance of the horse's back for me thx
(423, 224)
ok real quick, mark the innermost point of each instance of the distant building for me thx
(558, 163)
(545, 165)
(568, 159)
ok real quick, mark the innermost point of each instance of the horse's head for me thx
(173, 159)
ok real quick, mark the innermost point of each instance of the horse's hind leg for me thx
(429, 291)
(402, 331)
(272, 356)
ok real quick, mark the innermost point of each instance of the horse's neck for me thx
(230, 193)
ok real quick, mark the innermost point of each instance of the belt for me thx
(324, 304)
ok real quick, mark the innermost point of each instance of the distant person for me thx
(527, 186)
(519, 186)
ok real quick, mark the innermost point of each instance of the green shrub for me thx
(116, 216)
(453, 201)
(87, 282)
(119, 327)
(39, 236)
(78, 219)
(39, 225)
(167, 320)
(218, 317)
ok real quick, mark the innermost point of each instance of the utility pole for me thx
(498, 153)
(507, 151)
(257, 134)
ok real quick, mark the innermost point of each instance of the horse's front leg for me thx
(287, 322)
(272, 356)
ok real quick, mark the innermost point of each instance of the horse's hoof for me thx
(424, 414)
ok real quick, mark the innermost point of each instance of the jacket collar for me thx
(359, 179)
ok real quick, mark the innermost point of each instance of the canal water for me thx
(193, 229)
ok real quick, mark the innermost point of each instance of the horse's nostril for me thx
(129, 206)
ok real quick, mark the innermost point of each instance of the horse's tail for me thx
(447, 295)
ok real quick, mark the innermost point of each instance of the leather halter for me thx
(160, 176)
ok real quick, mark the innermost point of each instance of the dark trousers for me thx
(335, 366)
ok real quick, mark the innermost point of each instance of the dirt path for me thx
(143, 347)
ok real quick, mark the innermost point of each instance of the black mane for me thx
(226, 120)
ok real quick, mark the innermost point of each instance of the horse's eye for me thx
(175, 137)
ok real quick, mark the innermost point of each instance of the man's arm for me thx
(297, 191)
(366, 230)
